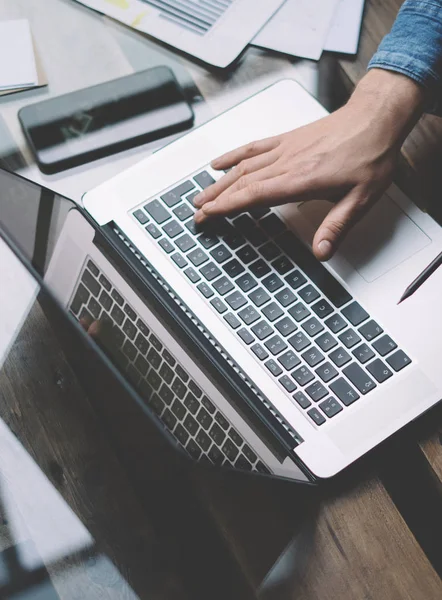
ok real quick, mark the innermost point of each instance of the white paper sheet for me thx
(299, 28)
(343, 35)
(17, 61)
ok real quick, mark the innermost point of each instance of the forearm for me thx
(414, 48)
(390, 102)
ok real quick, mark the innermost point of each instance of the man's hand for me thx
(347, 157)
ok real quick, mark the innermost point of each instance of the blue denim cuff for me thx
(414, 48)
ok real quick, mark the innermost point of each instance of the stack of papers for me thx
(304, 28)
(18, 67)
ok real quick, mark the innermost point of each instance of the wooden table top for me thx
(87, 508)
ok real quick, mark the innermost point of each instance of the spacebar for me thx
(312, 267)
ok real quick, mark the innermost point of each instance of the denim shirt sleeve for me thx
(414, 48)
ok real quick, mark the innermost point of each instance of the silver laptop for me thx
(214, 31)
(334, 364)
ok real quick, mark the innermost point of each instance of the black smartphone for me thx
(81, 126)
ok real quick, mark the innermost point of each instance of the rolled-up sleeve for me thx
(414, 48)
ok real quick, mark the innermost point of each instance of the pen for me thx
(415, 285)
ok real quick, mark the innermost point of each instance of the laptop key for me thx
(154, 358)
(243, 464)
(282, 265)
(169, 419)
(258, 212)
(185, 243)
(286, 326)
(261, 468)
(349, 338)
(179, 260)
(247, 254)
(192, 227)
(259, 297)
(355, 313)
(220, 418)
(218, 305)
(190, 424)
(205, 289)
(233, 268)
(153, 231)
(303, 376)
(223, 286)
(216, 456)
(379, 370)
(208, 404)
(295, 279)
(398, 360)
(285, 297)
(289, 360)
(156, 343)
(343, 390)
(166, 394)
(313, 357)
(172, 229)
(287, 383)
(204, 179)
(270, 251)
(192, 274)
(273, 367)
(234, 241)
(174, 196)
(326, 342)
(299, 341)
(336, 323)
(141, 216)
(230, 450)
(235, 300)
(191, 403)
(117, 314)
(275, 344)
(91, 283)
(312, 326)
(259, 351)
(203, 440)
(330, 407)
(363, 353)
(340, 357)
(94, 308)
(166, 245)
(129, 350)
(204, 418)
(181, 434)
(322, 308)
(316, 416)
(326, 372)
(316, 391)
(299, 312)
(249, 315)
(208, 240)
(259, 268)
(370, 330)
(210, 271)
(262, 330)
(157, 211)
(231, 319)
(272, 225)
(384, 345)
(246, 282)
(129, 329)
(302, 399)
(81, 297)
(272, 283)
(309, 294)
(272, 311)
(246, 336)
(183, 212)
(117, 297)
(221, 254)
(197, 257)
(359, 378)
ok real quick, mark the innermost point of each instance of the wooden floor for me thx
(89, 491)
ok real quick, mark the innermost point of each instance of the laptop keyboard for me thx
(192, 418)
(321, 346)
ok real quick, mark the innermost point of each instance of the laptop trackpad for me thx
(384, 238)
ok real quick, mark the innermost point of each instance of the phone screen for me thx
(91, 123)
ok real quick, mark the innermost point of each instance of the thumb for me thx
(337, 223)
